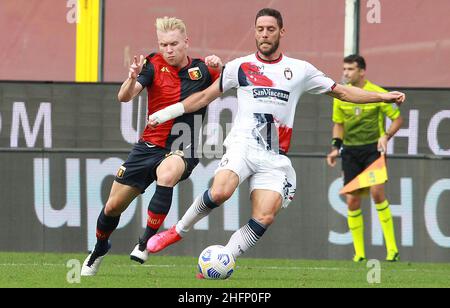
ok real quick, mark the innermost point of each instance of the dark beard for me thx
(271, 51)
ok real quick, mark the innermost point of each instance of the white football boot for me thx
(91, 267)
(139, 255)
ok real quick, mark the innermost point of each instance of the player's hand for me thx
(332, 157)
(162, 116)
(136, 67)
(152, 121)
(214, 62)
(382, 144)
(394, 97)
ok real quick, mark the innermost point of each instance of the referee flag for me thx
(375, 174)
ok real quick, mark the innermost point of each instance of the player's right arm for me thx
(131, 87)
(202, 99)
(228, 80)
(191, 104)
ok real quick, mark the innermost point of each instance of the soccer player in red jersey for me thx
(169, 77)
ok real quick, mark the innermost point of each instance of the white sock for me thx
(201, 208)
(245, 238)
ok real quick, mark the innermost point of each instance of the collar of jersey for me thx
(175, 68)
(269, 62)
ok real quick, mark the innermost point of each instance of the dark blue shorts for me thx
(139, 170)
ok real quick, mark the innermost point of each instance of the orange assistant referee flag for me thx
(375, 174)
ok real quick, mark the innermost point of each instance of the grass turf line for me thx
(50, 270)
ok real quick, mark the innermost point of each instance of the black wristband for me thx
(337, 143)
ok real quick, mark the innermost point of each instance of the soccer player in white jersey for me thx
(269, 86)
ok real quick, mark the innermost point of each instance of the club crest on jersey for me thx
(288, 73)
(195, 73)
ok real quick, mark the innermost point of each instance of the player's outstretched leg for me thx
(157, 211)
(265, 206)
(225, 183)
(201, 208)
(105, 226)
(243, 239)
(246, 237)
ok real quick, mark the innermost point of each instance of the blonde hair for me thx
(167, 24)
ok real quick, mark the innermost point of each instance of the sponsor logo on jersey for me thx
(252, 74)
(195, 73)
(288, 73)
(255, 69)
(271, 93)
(165, 70)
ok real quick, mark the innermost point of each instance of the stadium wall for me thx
(406, 43)
(61, 145)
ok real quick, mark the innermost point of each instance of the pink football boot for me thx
(163, 239)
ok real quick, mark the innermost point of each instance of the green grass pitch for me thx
(51, 270)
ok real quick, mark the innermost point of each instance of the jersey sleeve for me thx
(338, 115)
(391, 111)
(316, 82)
(145, 78)
(215, 74)
(230, 76)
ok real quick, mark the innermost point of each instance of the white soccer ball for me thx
(216, 262)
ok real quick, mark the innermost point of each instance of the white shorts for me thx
(265, 170)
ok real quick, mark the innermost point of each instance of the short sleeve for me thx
(391, 111)
(316, 82)
(230, 76)
(145, 78)
(338, 115)
(215, 74)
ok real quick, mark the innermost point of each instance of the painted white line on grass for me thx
(277, 268)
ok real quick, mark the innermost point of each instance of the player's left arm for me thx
(360, 96)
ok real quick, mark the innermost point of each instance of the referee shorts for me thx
(355, 159)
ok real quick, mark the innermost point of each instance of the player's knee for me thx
(169, 175)
(168, 179)
(220, 195)
(113, 208)
(266, 219)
